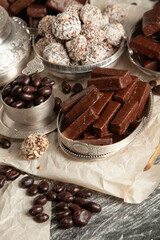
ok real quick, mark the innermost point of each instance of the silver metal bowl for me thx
(37, 115)
(82, 150)
(136, 30)
(78, 72)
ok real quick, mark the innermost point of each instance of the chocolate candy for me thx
(41, 199)
(18, 104)
(59, 6)
(102, 102)
(29, 89)
(47, 82)
(43, 186)
(73, 190)
(61, 215)
(97, 141)
(124, 117)
(27, 181)
(13, 174)
(80, 201)
(58, 187)
(2, 180)
(9, 100)
(65, 197)
(146, 46)
(5, 4)
(22, 80)
(87, 101)
(33, 190)
(153, 83)
(39, 100)
(147, 62)
(103, 72)
(61, 206)
(156, 90)
(66, 88)
(45, 91)
(92, 207)
(6, 91)
(17, 89)
(81, 217)
(5, 170)
(51, 195)
(19, 5)
(85, 193)
(101, 125)
(67, 222)
(41, 217)
(36, 209)
(36, 10)
(74, 207)
(26, 96)
(77, 88)
(36, 79)
(80, 124)
(57, 105)
(5, 143)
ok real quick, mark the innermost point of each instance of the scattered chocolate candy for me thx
(67, 222)
(61, 206)
(156, 90)
(81, 217)
(27, 181)
(84, 193)
(57, 105)
(2, 180)
(74, 207)
(43, 186)
(5, 170)
(33, 190)
(77, 88)
(92, 207)
(41, 199)
(65, 197)
(51, 195)
(36, 209)
(61, 215)
(80, 201)
(41, 217)
(66, 88)
(13, 174)
(5, 143)
(58, 187)
(73, 190)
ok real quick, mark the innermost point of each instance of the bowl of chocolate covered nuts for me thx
(29, 100)
(79, 39)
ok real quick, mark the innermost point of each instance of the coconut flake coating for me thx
(114, 32)
(73, 9)
(43, 42)
(34, 146)
(66, 26)
(76, 47)
(92, 33)
(109, 49)
(94, 53)
(45, 25)
(56, 53)
(116, 13)
(90, 13)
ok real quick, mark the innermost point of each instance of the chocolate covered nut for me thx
(9, 100)
(26, 96)
(6, 91)
(13, 174)
(23, 80)
(41, 217)
(5, 143)
(67, 222)
(43, 186)
(16, 90)
(27, 181)
(45, 91)
(2, 180)
(36, 10)
(66, 88)
(18, 104)
(84, 193)
(81, 217)
(5, 170)
(41, 199)
(51, 195)
(58, 187)
(39, 100)
(65, 197)
(153, 83)
(60, 215)
(29, 89)
(57, 105)
(33, 190)
(77, 88)
(30, 104)
(92, 207)
(73, 190)
(74, 207)
(36, 209)
(19, 5)
(36, 79)
(61, 206)
(156, 90)
(47, 82)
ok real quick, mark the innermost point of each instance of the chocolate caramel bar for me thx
(146, 46)
(103, 101)
(19, 5)
(103, 72)
(101, 125)
(124, 117)
(36, 10)
(78, 126)
(97, 141)
(147, 62)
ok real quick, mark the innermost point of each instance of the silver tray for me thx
(136, 30)
(78, 72)
(82, 150)
(12, 129)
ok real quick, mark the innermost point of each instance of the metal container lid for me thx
(4, 17)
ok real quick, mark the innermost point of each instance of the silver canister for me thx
(15, 46)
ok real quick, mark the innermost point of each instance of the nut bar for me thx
(97, 141)
(103, 72)
(146, 46)
(70, 102)
(141, 94)
(103, 101)
(80, 124)
(124, 117)
(124, 94)
(151, 21)
(36, 10)
(86, 102)
(101, 125)
(147, 62)
(19, 5)
(60, 5)
(110, 83)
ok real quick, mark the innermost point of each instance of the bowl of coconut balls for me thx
(75, 41)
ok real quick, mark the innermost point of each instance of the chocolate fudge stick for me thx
(103, 101)
(60, 5)
(140, 94)
(101, 125)
(147, 62)
(97, 141)
(77, 127)
(19, 5)
(124, 117)
(4, 4)
(124, 94)
(110, 83)
(88, 134)
(86, 102)
(103, 72)
(70, 102)
(36, 10)
(146, 46)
